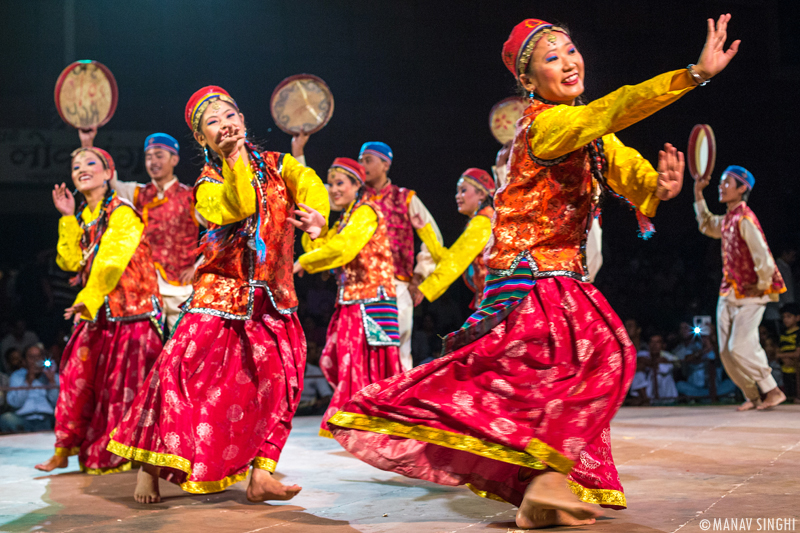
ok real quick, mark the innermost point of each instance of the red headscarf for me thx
(518, 48)
(351, 167)
(199, 101)
(99, 152)
(480, 179)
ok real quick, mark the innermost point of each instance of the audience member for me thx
(653, 382)
(635, 333)
(785, 261)
(770, 346)
(689, 343)
(696, 365)
(13, 360)
(34, 399)
(19, 337)
(789, 349)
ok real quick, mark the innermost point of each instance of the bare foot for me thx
(54, 462)
(746, 406)
(774, 397)
(541, 518)
(264, 487)
(146, 490)
(549, 491)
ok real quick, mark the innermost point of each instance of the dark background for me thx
(422, 76)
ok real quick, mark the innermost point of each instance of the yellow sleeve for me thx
(563, 129)
(117, 246)
(230, 201)
(458, 258)
(69, 247)
(631, 175)
(306, 188)
(341, 248)
(435, 247)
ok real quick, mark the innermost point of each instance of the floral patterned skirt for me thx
(220, 397)
(103, 367)
(539, 390)
(349, 362)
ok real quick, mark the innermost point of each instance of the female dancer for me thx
(118, 312)
(535, 376)
(222, 395)
(363, 336)
(474, 192)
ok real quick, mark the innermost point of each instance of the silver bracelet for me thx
(699, 79)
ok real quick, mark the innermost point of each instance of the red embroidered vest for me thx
(136, 295)
(170, 226)
(393, 203)
(475, 275)
(225, 282)
(543, 211)
(738, 268)
(370, 276)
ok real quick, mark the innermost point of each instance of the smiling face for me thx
(343, 189)
(730, 189)
(468, 198)
(375, 167)
(160, 163)
(89, 172)
(555, 71)
(217, 115)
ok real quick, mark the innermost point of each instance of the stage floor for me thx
(679, 466)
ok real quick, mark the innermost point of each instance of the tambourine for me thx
(504, 116)
(301, 104)
(702, 152)
(86, 94)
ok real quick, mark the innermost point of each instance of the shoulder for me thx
(487, 212)
(18, 375)
(209, 174)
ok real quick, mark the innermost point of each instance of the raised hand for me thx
(87, 136)
(297, 268)
(63, 200)
(299, 143)
(230, 139)
(670, 172)
(76, 310)
(714, 58)
(310, 221)
(417, 222)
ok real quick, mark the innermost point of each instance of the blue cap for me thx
(161, 140)
(741, 174)
(379, 149)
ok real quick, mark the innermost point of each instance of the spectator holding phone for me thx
(33, 394)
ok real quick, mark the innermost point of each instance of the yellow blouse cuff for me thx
(92, 299)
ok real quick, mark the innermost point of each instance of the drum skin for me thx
(301, 103)
(86, 94)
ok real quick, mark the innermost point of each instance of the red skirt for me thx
(539, 390)
(103, 367)
(220, 397)
(349, 363)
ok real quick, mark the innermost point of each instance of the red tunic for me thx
(393, 203)
(224, 284)
(738, 268)
(170, 226)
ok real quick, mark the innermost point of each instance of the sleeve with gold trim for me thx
(342, 247)
(230, 201)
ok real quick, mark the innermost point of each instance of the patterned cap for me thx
(480, 179)
(99, 152)
(163, 141)
(379, 149)
(741, 174)
(518, 49)
(199, 101)
(351, 167)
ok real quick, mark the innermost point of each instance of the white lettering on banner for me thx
(36, 157)
(749, 524)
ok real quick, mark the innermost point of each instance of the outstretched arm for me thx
(343, 247)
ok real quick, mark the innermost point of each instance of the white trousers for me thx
(405, 317)
(744, 359)
(172, 296)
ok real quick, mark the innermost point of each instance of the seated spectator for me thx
(789, 349)
(688, 343)
(635, 333)
(770, 346)
(696, 372)
(3, 391)
(34, 401)
(19, 337)
(653, 382)
(13, 360)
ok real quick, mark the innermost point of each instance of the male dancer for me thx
(171, 222)
(750, 279)
(398, 205)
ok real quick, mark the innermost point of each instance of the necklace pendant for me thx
(251, 243)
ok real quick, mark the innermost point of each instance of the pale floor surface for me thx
(679, 466)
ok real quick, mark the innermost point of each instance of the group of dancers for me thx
(518, 407)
